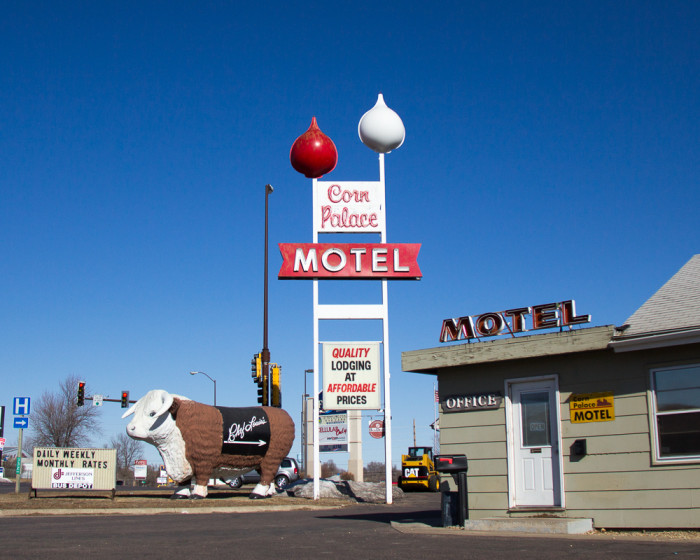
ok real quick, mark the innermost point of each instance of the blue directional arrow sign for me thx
(21, 423)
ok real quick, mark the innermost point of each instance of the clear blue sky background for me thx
(551, 153)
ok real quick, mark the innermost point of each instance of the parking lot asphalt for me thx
(405, 528)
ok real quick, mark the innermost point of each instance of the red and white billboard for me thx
(346, 261)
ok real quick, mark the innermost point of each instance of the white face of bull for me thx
(152, 421)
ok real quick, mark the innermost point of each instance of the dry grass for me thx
(48, 499)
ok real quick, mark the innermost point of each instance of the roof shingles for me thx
(675, 306)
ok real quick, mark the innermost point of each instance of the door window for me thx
(535, 419)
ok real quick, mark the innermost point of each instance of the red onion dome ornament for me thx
(313, 154)
(381, 129)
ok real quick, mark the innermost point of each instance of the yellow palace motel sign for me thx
(592, 407)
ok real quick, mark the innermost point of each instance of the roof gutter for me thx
(649, 341)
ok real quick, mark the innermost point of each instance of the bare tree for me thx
(128, 450)
(58, 422)
(375, 471)
(328, 469)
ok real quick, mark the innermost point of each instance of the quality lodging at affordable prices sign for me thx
(351, 376)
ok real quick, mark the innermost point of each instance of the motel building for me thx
(598, 423)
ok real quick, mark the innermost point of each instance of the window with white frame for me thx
(676, 398)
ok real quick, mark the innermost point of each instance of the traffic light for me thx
(276, 387)
(125, 399)
(258, 375)
(81, 393)
(256, 368)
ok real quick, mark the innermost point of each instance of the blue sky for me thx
(551, 153)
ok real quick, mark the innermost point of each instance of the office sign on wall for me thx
(464, 403)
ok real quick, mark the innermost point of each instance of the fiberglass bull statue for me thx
(198, 441)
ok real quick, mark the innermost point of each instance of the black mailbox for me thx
(451, 463)
(454, 505)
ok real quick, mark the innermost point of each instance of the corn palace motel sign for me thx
(350, 207)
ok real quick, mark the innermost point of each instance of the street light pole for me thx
(212, 380)
(265, 354)
(304, 424)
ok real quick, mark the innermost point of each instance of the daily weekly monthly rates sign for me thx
(351, 375)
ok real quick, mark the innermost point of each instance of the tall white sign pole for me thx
(387, 371)
(317, 444)
(381, 130)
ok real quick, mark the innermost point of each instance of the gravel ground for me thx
(640, 534)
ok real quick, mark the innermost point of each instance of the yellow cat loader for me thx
(418, 470)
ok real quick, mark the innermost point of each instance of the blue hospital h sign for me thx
(21, 407)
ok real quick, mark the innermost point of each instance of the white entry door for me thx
(534, 445)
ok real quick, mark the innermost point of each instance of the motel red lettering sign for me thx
(511, 321)
(394, 261)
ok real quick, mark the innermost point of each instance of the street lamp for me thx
(304, 419)
(265, 353)
(212, 380)
(306, 372)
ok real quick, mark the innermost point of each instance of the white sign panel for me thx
(97, 400)
(351, 373)
(140, 469)
(349, 207)
(56, 465)
(333, 432)
(72, 478)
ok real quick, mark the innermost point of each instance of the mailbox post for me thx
(453, 504)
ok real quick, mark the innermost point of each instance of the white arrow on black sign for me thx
(259, 443)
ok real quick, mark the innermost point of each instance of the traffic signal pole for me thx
(81, 398)
(266, 374)
(265, 354)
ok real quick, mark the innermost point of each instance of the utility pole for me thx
(265, 354)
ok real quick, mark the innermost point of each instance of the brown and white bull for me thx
(197, 442)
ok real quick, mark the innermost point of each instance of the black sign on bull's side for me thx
(246, 431)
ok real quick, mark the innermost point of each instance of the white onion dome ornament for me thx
(381, 129)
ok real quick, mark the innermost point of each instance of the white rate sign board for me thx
(351, 376)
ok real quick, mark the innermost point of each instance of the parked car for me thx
(288, 472)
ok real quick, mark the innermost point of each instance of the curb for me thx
(157, 511)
